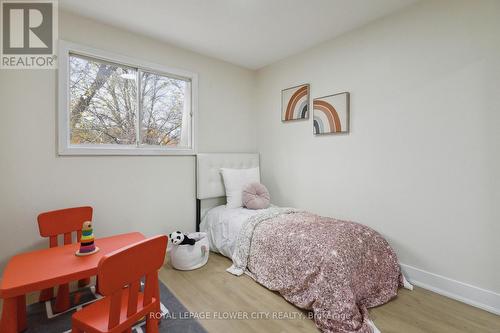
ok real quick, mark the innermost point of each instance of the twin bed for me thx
(336, 269)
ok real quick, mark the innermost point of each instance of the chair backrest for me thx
(125, 268)
(63, 222)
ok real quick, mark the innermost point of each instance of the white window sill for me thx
(125, 151)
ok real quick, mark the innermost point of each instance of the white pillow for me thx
(235, 180)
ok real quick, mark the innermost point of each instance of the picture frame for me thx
(295, 103)
(331, 114)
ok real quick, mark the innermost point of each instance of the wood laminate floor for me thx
(212, 291)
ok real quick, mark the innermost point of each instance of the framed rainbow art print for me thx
(295, 103)
(331, 114)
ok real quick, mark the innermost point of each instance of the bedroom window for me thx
(113, 105)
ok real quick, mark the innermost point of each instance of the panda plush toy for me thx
(178, 238)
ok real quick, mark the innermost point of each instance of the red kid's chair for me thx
(119, 275)
(63, 222)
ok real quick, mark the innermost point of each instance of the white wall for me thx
(153, 194)
(421, 164)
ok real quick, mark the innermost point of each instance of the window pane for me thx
(103, 102)
(165, 111)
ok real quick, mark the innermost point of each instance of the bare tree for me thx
(104, 105)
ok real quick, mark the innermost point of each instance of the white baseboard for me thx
(463, 292)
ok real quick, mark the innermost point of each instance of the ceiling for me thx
(249, 33)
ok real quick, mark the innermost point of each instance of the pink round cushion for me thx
(256, 196)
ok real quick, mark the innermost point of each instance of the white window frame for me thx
(64, 144)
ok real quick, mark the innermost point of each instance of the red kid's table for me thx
(38, 270)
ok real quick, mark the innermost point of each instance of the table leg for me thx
(21, 313)
(97, 285)
(13, 315)
(46, 294)
(62, 298)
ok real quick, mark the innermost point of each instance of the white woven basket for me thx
(189, 257)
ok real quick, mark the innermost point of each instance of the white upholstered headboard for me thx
(209, 182)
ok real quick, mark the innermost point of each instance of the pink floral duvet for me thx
(335, 268)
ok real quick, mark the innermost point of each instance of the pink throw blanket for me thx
(335, 268)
